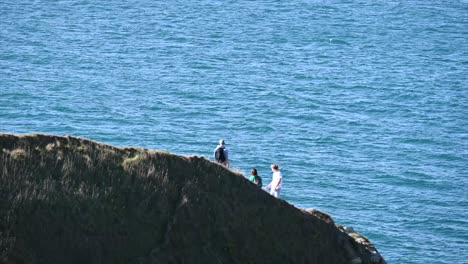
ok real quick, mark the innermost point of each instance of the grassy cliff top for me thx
(72, 200)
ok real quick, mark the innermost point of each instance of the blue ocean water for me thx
(363, 104)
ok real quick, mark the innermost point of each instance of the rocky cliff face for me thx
(71, 200)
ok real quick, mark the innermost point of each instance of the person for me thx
(276, 181)
(255, 178)
(221, 154)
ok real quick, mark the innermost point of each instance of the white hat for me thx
(221, 141)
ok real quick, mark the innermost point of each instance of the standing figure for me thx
(276, 181)
(221, 154)
(255, 178)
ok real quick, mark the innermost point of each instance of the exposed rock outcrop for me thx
(71, 200)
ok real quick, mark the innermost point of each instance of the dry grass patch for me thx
(18, 153)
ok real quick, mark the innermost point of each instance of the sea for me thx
(362, 104)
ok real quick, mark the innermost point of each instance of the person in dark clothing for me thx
(221, 154)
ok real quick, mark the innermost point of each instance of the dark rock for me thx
(71, 200)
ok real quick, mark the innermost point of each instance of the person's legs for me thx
(274, 193)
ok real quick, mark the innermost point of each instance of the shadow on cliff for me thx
(71, 200)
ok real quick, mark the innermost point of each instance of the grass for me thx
(71, 200)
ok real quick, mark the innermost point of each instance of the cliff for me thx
(72, 200)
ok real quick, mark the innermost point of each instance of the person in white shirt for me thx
(276, 181)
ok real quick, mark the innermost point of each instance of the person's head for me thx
(254, 172)
(274, 167)
(221, 142)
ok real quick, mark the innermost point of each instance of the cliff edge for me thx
(72, 200)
